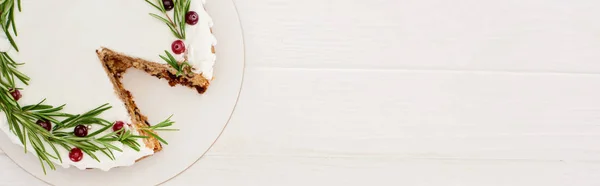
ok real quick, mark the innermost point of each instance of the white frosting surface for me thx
(60, 58)
(199, 42)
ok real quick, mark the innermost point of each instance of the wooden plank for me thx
(301, 171)
(536, 35)
(416, 114)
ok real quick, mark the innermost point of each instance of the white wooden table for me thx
(409, 92)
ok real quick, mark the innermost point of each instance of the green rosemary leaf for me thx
(74, 138)
(42, 162)
(166, 59)
(78, 144)
(6, 8)
(110, 146)
(56, 152)
(7, 75)
(100, 131)
(138, 137)
(175, 32)
(125, 135)
(36, 106)
(111, 153)
(170, 60)
(91, 121)
(72, 121)
(98, 110)
(186, 8)
(176, 14)
(12, 21)
(10, 59)
(103, 150)
(36, 140)
(50, 155)
(161, 6)
(59, 114)
(42, 108)
(17, 128)
(65, 146)
(108, 139)
(25, 144)
(51, 109)
(160, 18)
(69, 119)
(187, 5)
(61, 134)
(11, 40)
(91, 154)
(132, 144)
(156, 136)
(159, 9)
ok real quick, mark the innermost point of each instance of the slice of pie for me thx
(116, 65)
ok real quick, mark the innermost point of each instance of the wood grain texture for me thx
(514, 35)
(432, 128)
(410, 92)
(301, 171)
(427, 114)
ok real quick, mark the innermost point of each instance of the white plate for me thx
(201, 119)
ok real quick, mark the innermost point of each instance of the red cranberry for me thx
(81, 131)
(118, 126)
(16, 94)
(191, 18)
(168, 4)
(76, 155)
(178, 47)
(44, 124)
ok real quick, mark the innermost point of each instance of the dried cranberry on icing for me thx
(178, 47)
(76, 154)
(191, 18)
(81, 131)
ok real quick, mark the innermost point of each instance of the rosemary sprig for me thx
(22, 119)
(162, 126)
(177, 24)
(180, 67)
(7, 20)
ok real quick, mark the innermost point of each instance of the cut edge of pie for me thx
(116, 64)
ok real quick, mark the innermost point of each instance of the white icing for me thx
(199, 42)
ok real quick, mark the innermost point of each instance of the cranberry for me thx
(44, 124)
(81, 131)
(191, 18)
(76, 155)
(118, 126)
(16, 94)
(178, 47)
(168, 4)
